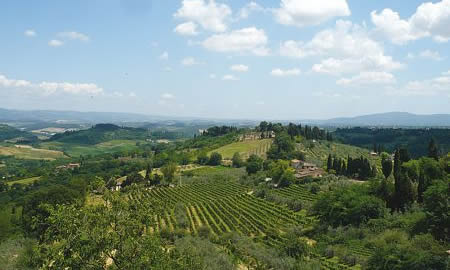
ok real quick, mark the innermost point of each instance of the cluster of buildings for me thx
(257, 136)
(304, 169)
(70, 166)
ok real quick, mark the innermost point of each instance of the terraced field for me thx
(296, 192)
(245, 148)
(224, 209)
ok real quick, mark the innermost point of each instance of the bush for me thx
(215, 159)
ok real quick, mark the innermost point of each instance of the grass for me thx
(76, 150)
(245, 148)
(30, 153)
(26, 181)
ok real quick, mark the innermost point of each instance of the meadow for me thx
(76, 150)
(27, 152)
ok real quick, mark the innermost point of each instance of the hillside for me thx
(318, 152)
(99, 134)
(8, 133)
(415, 140)
(245, 148)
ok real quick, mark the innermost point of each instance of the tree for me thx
(329, 163)
(133, 178)
(82, 241)
(237, 160)
(215, 159)
(202, 158)
(386, 165)
(254, 164)
(148, 172)
(437, 208)
(433, 151)
(404, 194)
(169, 171)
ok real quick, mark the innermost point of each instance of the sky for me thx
(263, 59)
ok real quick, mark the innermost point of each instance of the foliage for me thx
(237, 160)
(116, 237)
(392, 139)
(254, 164)
(345, 206)
(169, 171)
(215, 159)
(437, 208)
(395, 250)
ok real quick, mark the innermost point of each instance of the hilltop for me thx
(100, 133)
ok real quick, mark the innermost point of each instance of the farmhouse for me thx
(70, 166)
(304, 169)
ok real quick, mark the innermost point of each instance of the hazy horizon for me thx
(224, 59)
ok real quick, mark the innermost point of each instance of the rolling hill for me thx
(99, 134)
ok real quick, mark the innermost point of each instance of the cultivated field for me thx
(76, 150)
(28, 152)
(245, 148)
(26, 181)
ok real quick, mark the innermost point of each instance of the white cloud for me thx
(239, 68)
(164, 56)
(212, 76)
(167, 96)
(167, 69)
(186, 29)
(49, 88)
(55, 43)
(5, 82)
(209, 14)
(432, 87)
(432, 55)
(190, 61)
(284, 73)
(368, 78)
(347, 48)
(132, 94)
(30, 33)
(306, 12)
(74, 36)
(429, 20)
(229, 78)
(246, 40)
(249, 8)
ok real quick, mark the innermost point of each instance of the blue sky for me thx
(283, 59)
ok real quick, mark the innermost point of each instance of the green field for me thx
(76, 150)
(26, 181)
(245, 148)
(27, 152)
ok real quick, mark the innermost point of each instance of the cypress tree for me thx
(329, 162)
(433, 150)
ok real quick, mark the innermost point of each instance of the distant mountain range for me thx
(391, 119)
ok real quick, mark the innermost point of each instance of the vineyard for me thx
(227, 207)
(296, 192)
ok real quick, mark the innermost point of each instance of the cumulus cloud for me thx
(74, 36)
(190, 61)
(239, 68)
(432, 87)
(368, 78)
(246, 40)
(164, 56)
(186, 29)
(305, 12)
(429, 20)
(50, 88)
(167, 96)
(209, 14)
(30, 33)
(55, 43)
(249, 8)
(432, 55)
(229, 78)
(347, 48)
(285, 73)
